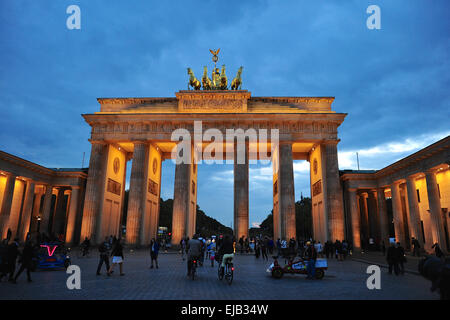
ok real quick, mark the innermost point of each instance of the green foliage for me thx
(205, 225)
(303, 220)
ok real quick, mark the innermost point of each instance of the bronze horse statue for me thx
(223, 79)
(193, 82)
(206, 81)
(236, 84)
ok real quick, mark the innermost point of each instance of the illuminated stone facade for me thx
(418, 190)
(34, 198)
(141, 128)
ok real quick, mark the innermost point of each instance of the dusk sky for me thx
(393, 82)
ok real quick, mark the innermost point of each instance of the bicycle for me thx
(227, 272)
(193, 268)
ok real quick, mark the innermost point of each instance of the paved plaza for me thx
(343, 280)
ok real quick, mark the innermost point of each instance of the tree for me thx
(303, 220)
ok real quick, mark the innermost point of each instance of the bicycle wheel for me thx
(220, 274)
(193, 272)
(229, 276)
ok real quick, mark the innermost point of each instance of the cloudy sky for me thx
(393, 83)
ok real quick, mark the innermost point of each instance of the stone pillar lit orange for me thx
(46, 209)
(414, 213)
(94, 188)
(136, 196)
(286, 191)
(184, 200)
(398, 214)
(355, 218)
(241, 219)
(59, 217)
(6, 204)
(335, 206)
(382, 216)
(72, 215)
(437, 226)
(26, 211)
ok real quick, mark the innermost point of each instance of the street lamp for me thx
(38, 218)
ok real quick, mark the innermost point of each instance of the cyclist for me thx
(226, 251)
(194, 247)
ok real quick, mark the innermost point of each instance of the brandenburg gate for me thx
(142, 129)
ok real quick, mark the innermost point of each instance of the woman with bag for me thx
(117, 254)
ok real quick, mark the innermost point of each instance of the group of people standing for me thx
(10, 253)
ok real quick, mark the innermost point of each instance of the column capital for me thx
(413, 176)
(9, 174)
(396, 183)
(430, 171)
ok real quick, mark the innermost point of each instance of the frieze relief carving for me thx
(168, 127)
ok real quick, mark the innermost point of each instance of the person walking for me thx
(154, 250)
(401, 258)
(103, 250)
(318, 247)
(241, 244)
(416, 247)
(183, 248)
(264, 249)
(212, 252)
(4, 258)
(13, 252)
(26, 259)
(278, 246)
(117, 254)
(437, 250)
(270, 245)
(257, 249)
(392, 259)
(311, 256)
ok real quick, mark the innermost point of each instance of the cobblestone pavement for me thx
(378, 258)
(343, 280)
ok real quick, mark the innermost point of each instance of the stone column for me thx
(6, 204)
(434, 202)
(59, 217)
(36, 207)
(398, 214)
(373, 221)
(414, 213)
(355, 218)
(241, 219)
(94, 192)
(136, 197)
(365, 216)
(334, 193)
(286, 192)
(72, 216)
(45, 221)
(185, 199)
(24, 226)
(382, 216)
